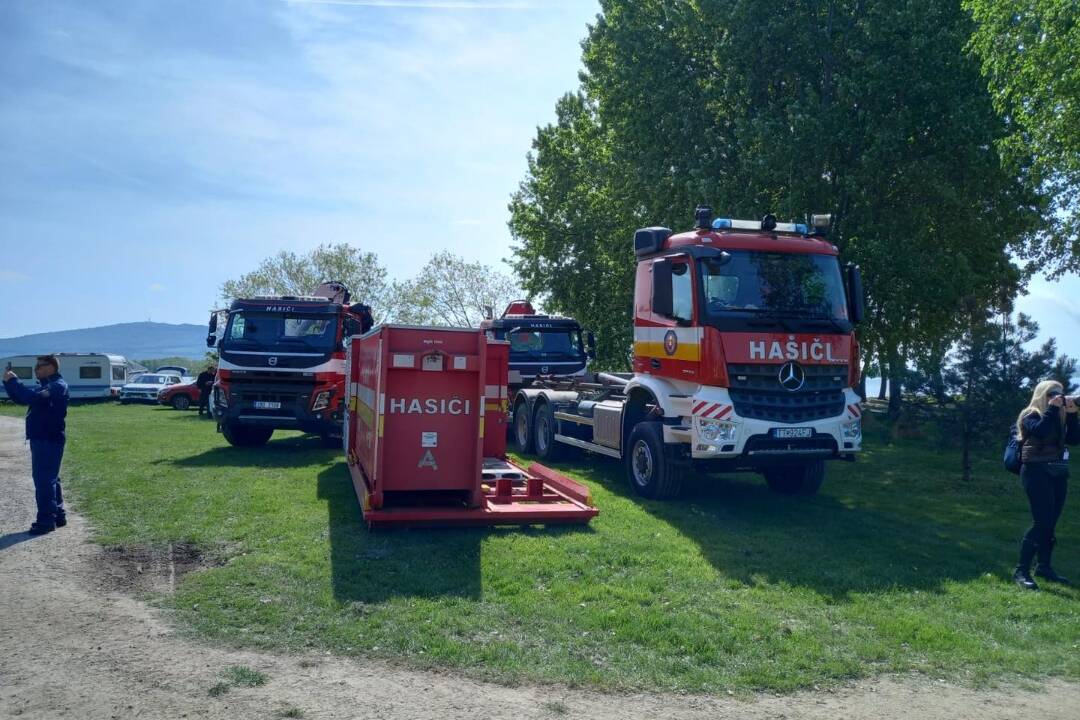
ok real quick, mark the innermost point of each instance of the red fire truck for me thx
(745, 359)
(282, 364)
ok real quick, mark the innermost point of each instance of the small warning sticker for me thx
(429, 439)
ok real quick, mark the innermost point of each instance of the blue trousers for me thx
(45, 459)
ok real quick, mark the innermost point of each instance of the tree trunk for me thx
(965, 447)
(896, 383)
(884, 368)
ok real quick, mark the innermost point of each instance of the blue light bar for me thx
(721, 224)
(802, 228)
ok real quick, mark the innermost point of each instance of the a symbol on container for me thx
(272, 362)
(671, 342)
(428, 460)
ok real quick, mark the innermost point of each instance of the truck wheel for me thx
(245, 436)
(796, 479)
(181, 402)
(652, 470)
(523, 432)
(544, 436)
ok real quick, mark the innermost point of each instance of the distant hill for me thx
(132, 340)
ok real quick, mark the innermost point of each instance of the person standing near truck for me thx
(1046, 426)
(46, 431)
(205, 383)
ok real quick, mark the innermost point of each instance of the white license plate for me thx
(792, 433)
(260, 405)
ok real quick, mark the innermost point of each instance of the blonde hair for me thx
(1039, 402)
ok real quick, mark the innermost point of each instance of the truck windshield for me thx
(545, 344)
(781, 285)
(301, 333)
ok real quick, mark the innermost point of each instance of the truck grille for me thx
(757, 394)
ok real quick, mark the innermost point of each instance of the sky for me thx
(152, 149)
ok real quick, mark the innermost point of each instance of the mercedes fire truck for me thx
(282, 364)
(744, 359)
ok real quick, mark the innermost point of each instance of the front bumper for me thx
(294, 413)
(714, 431)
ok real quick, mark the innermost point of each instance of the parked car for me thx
(180, 395)
(145, 387)
(172, 370)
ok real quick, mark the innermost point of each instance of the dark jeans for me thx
(204, 401)
(45, 459)
(1046, 493)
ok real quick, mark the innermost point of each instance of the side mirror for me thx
(856, 302)
(211, 337)
(590, 345)
(213, 324)
(211, 340)
(662, 301)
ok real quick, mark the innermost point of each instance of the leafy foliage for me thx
(451, 291)
(1030, 53)
(288, 273)
(871, 110)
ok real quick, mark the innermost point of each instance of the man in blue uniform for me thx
(45, 429)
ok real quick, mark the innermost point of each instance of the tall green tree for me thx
(873, 111)
(1030, 54)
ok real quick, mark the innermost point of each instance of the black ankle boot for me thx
(1044, 570)
(1022, 573)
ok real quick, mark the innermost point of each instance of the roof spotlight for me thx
(768, 222)
(703, 217)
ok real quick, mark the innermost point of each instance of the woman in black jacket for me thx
(1046, 425)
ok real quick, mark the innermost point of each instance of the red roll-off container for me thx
(425, 434)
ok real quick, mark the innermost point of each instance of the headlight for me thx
(852, 430)
(717, 430)
(322, 401)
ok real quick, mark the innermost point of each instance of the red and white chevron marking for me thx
(714, 411)
(855, 411)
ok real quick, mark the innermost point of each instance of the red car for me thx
(181, 395)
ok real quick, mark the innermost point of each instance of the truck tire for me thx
(181, 402)
(544, 434)
(796, 479)
(523, 430)
(651, 468)
(246, 436)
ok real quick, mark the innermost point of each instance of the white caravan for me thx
(90, 376)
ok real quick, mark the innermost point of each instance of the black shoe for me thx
(39, 529)
(61, 521)
(1047, 573)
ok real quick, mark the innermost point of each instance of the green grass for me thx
(896, 566)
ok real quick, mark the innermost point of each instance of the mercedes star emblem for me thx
(792, 376)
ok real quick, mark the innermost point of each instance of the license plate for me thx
(260, 405)
(792, 433)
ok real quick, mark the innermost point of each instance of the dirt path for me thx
(72, 647)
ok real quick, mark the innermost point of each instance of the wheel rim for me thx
(541, 434)
(182, 403)
(641, 462)
(521, 424)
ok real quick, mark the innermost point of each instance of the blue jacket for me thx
(47, 407)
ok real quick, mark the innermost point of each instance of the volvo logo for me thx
(272, 362)
(792, 376)
(544, 370)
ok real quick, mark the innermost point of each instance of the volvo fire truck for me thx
(541, 345)
(282, 364)
(744, 359)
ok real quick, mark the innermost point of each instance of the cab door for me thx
(667, 334)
